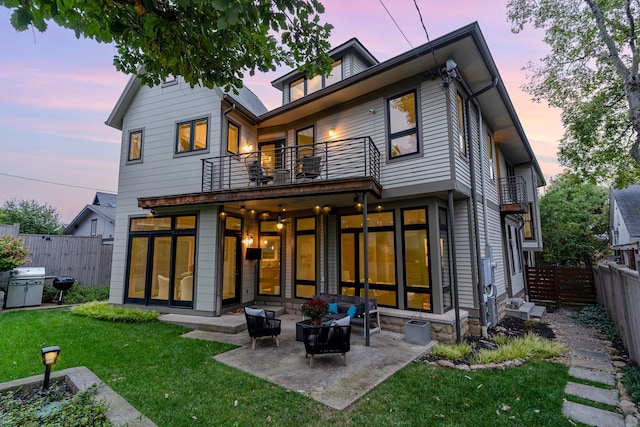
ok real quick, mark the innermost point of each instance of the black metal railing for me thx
(329, 160)
(513, 194)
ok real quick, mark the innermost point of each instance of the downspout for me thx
(474, 199)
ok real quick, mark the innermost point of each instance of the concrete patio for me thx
(329, 382)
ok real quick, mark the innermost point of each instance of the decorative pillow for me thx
(360, 309)
(345, 321)
(255, 312)
(333, 308)
(352, 311)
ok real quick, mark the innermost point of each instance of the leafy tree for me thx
(591, 74)
(12, 252)
(574, 217)
(33, 217)
(212, 43)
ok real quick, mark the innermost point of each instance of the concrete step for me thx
(538, 312)
(227, 323)
(595, 394)
(523, 312)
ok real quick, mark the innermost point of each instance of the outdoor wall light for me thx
(243, 210)
(223, 214)
(248, 240)
(49, 358)
(326, 209)
(279, 224)
(332, 132)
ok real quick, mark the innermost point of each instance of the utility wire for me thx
(433, 52)
(56, 183)
(398, 26)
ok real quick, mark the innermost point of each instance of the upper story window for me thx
(192, 136)
(528, 229)
(403, 127)
(304, 141)
(170, 80)
(462, 140)
(492, 165)
(233, 138)
(135, 146)
(94, 226)
(304, 86)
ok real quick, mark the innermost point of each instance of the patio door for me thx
(270, 268)
(232, 262)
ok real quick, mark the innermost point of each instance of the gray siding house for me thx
(96, 219)
(410, 178)
(624, 223)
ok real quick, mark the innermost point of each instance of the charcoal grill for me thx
(62, 284)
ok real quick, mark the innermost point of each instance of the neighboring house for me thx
(624, 224)
(96, 219)
(223, 203)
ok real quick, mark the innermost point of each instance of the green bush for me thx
(530, 345)
(101, 310)
(631, 381)
(595, 316)
(452, 352)
(77, 294)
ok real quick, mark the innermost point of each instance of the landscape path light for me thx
(49, 358)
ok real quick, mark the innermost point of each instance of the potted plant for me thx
(316, 309)
(417, 331)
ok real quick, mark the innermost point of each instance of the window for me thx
(381, 255)
(269, 271)
(492, 166)
(304, 86)
(305, 286)
(160, 260)
(304, 141)
(170, 80)
(135, 146)
(445, 260)
(528, 224)
(192, 136)
(403, 130)
(462, 140)
(233, 138)
(415, 240)
(94, 227)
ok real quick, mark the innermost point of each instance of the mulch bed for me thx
(510, 327)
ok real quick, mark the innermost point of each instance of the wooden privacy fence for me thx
(618, 290)
(558, 287)
(85, 259)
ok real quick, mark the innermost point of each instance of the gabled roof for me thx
(108, 213)
(105, 199)
(245, 97)
(628, 202)
(352, 45)
(468, 48)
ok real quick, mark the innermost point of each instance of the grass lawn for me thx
(175, 382)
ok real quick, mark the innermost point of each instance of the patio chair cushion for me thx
(352, 311)
(333, 308)
(255, 312)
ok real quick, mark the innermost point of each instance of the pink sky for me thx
(59, 90)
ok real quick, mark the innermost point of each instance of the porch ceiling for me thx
(335, 193)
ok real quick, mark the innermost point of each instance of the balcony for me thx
(283, 171)
(513, 195)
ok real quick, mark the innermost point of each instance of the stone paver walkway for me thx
(590, 359)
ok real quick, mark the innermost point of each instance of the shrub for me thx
(101, 310)
(530, 345)
(595, 316)
(452, 352)
(631, 381)
(13, 253)
(77, 294)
